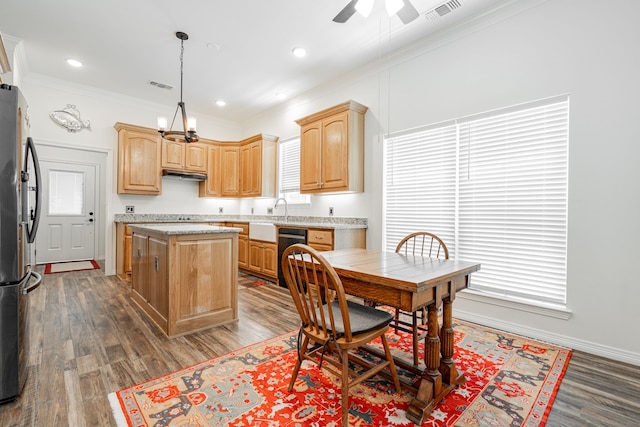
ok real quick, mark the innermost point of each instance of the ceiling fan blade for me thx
(346, 13)
(408, 13)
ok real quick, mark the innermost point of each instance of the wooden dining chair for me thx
(425, 244)
(332, 327)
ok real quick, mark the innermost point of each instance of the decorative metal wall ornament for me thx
(69, 118)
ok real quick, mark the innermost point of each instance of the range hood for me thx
(187, 176)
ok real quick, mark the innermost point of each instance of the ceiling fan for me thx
(403, 8)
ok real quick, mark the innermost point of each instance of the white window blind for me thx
(420, 185)
(289, 172)
(510, 194)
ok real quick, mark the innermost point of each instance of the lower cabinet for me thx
(150, 277)
(263, 258)
(185, 283)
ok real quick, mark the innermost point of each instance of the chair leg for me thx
(392, 365)
(296, 368)
(397, 319)
(345, 388)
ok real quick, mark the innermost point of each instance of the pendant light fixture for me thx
(188, 133)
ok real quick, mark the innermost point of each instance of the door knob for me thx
(90, 219)
(90, 213)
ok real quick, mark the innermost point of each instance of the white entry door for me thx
(67, 222)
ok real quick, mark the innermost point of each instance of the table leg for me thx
(430, 391)
(448, 368)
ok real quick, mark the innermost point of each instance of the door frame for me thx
(97, 216)
(101, 159)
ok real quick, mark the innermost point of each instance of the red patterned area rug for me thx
(510, 381)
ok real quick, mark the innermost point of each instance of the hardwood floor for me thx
(88, 339)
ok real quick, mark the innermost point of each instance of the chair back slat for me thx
(423, 243)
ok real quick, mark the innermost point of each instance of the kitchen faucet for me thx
(286, 208)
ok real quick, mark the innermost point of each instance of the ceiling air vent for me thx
(439, 11)
(160, 85)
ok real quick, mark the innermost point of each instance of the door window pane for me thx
(65, 193)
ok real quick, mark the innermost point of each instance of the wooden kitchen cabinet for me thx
(258, 166)
(212, 186)
(182, 156)
(230, 170)
(139, 160)
(332, 149)
(328, 239)
(243, 243)
(185, 282)
(263, 258)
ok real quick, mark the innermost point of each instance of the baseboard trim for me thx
(563, 340)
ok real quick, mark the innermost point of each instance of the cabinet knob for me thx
(155, 263)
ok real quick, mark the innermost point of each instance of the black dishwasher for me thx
(286, 238)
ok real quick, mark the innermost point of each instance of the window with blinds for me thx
(289, 172)
(494, 188)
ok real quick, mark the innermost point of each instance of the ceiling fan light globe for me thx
(393, 6)
(364, 7)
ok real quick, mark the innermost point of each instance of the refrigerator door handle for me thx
(32, 228)
(33, 286)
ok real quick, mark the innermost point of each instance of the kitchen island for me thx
(185, 276)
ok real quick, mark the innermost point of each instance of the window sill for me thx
(549, 310)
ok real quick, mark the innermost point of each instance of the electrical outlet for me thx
(331, 211)
(220, 209)
(270, 211)
(131, 209)
(251, 211)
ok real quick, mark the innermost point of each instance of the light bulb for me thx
(364, 7)
(162, 123)
(191, 124)
(393, 6)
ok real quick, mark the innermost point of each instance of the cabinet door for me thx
(173, 155)
(158, 276)
(335, 152)
(139, 260)
(230, 162)
(139, 164)
(195, 158)
(270, 259)
(245, 170)
(310, 157)
(212, 186)
(243, 252)
(126, 262)
(255, 256)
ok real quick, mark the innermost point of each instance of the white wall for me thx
(527, 51)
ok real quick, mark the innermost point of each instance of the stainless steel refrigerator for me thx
(19, 216)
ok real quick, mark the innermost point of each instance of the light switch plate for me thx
(331, 211)
(220, 209)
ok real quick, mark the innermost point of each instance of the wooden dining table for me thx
(410, 282)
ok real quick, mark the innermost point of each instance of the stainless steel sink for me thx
(265, 231)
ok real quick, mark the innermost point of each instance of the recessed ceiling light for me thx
(220, 103)
(74, 63)
(299, 52)
(281, 95)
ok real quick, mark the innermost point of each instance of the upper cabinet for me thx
(241, 169)
(230, 169)
(212, 186)
(245, 168)
(258, 166)
(332, 149)
(181, 156)
(139, 160)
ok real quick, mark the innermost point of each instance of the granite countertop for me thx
(293, 221)
(184, 228)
